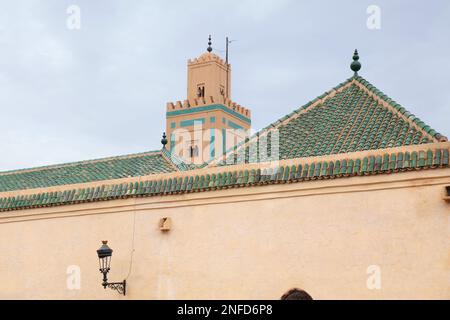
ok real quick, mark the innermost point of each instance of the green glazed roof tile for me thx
(87, 171)
(445, 157)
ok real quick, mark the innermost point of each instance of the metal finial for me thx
(356, 65)
(164, 140)
(209, 49)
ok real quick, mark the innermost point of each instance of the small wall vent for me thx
(165, 224)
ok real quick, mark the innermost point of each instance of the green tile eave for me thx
(315, 169)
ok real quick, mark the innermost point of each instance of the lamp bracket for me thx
(120, 287)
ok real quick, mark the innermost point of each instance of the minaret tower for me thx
(204, 125)
(208, 75)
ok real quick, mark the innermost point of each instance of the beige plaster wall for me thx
(249, 243)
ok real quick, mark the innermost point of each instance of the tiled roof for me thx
(190, 181)
(178, 162)
(88, 171)
(354, 116)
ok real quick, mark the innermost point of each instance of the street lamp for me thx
(104, 260)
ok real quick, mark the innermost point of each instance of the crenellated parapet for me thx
(206, 101)
(207, 57)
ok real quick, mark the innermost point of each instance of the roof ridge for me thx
(402, 112)
(306, 106)
(176, 161)
(69, 164)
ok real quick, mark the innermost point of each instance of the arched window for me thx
(200, 91)
(296, 294)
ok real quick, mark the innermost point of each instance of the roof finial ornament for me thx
(164, 140)
(356, 65)
(209, 49)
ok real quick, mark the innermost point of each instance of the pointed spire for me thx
(356, 65)
(209, 49)
(164, 140)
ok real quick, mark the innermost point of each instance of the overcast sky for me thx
(69, 94)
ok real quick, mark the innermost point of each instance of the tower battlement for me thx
(207, 57)
(206, 101)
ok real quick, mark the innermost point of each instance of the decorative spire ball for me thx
(164, 140)
(209, 49)
(356, 65)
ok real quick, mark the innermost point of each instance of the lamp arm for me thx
(120, 287)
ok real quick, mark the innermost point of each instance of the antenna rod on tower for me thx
(226, 56)
(228, 68)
